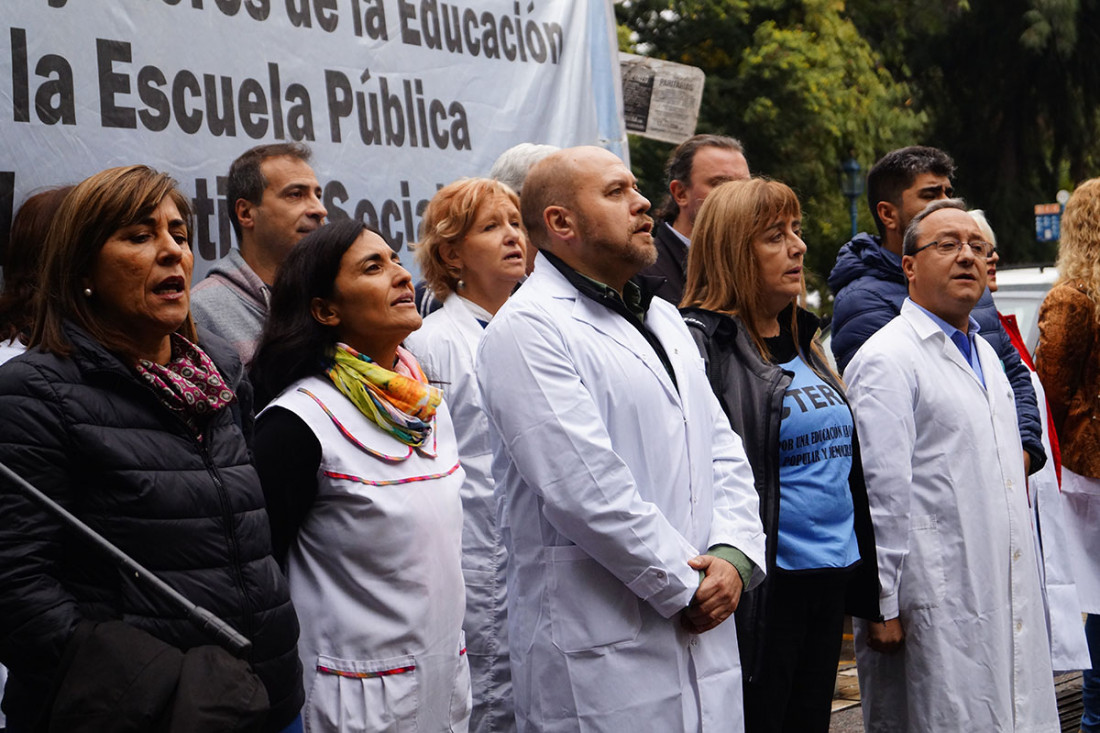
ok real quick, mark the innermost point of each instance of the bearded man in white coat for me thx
(624, 498)
(964, 644)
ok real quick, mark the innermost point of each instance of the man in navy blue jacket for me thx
(870, 286)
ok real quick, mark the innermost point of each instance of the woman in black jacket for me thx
(743, 282)
(118, 414)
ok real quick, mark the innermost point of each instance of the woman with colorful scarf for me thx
(359, 464)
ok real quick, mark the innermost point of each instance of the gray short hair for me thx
(512, 165)
(983, 223)
(912, 232)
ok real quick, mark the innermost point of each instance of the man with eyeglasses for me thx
(869, 285)
(964, 644)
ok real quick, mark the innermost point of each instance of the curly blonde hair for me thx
(448, 219)
(1079, 248)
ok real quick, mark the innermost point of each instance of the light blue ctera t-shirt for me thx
(816, 528)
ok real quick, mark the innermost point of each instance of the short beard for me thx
(636, 256)
(648, 257)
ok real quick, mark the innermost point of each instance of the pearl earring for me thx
(87, 292)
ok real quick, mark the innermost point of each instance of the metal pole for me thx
(219, 630)
(853, 212)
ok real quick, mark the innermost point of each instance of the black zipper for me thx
(230, 536)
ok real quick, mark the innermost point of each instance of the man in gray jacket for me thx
(275, 200)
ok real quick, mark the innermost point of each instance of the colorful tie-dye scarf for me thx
(401, 402)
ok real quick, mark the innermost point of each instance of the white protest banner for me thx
(395, 97)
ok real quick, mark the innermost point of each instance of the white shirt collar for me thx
(681, 237)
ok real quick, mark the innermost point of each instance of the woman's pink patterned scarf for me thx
(189, 384)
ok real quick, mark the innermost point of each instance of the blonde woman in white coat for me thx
(473, 253)
(359, 466)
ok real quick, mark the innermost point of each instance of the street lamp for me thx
(851, 184)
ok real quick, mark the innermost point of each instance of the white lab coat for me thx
(1068, 647)
(609, 480)
(945, 479)
(1081, 496)
(445, 346)
(376, 578)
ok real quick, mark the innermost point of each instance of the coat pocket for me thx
(486, 612)
(923, 582)
(377, 695)
(589, 607)
(461, 698)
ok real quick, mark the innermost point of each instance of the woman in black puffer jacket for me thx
(117, 413)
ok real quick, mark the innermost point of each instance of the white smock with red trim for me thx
(376, 577)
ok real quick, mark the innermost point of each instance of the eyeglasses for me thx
(951, 247)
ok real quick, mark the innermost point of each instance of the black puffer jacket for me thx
(89, 434)
(751, 392)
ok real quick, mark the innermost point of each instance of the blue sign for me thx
(1048, 222)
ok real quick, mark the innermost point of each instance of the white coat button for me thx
(1019, 625)
(1008, 483)
(661, 574)
(1016, 555)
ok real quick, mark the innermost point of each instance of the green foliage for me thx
(1012, 89)
(796, 83)
(626, 39)
(814, 93)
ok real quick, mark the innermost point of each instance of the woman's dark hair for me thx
(22, 261)
(294, 345)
